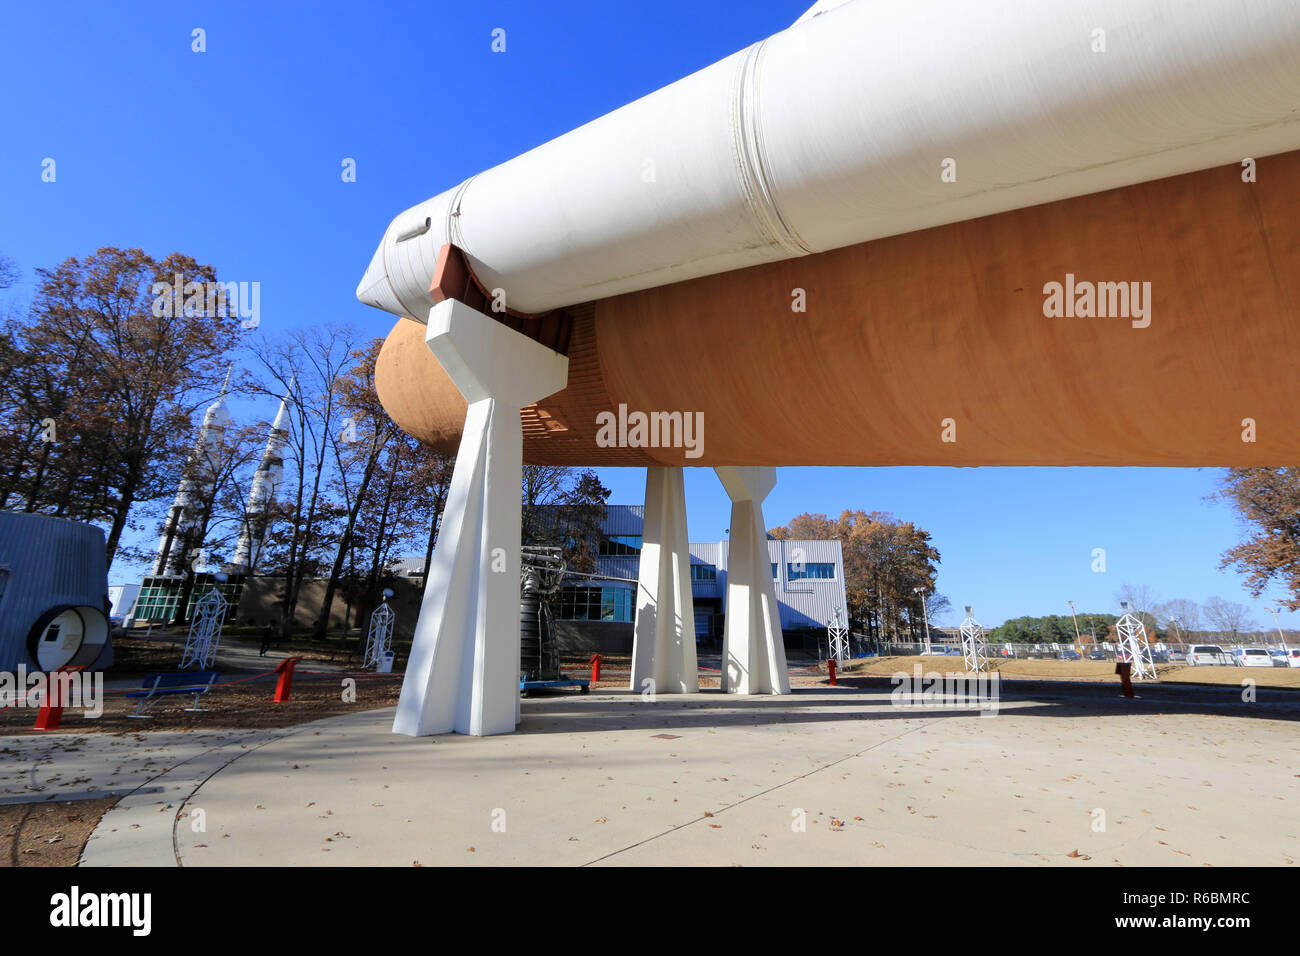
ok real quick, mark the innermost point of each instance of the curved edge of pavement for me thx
(138, 830)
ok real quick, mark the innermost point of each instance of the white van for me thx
(1286, 656)
(1201, 655)
(1252, 657)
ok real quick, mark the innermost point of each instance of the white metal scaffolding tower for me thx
(838, 632)
(381, 632)
(974, 650)
(205, 631)
(1133, 645)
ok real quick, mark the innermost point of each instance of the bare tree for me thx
(357, 447)
(305, 365)
(1142, 601)
(8, 272)
(564, 507)
(213, 522)
(1186, 612)
(1228, 618)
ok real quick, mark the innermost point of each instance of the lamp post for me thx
(1177, 630)
(926, 615)
(1075, 617)
(1278, 622)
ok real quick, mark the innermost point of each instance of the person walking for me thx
(268, 634)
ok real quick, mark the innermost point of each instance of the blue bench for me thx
(156, 686)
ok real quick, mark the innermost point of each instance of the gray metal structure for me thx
(540, 572)
(47, 563)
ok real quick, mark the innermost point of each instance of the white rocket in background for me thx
(266, 484)
(197, 484)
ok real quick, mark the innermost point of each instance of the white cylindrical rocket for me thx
(265, 487)
(197, 484)
(867, 120)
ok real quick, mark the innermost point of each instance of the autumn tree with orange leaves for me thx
(1268, 501)
(99, 388)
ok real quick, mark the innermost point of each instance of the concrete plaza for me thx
(1064, 775)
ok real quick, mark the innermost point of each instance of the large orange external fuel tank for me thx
(933, 347)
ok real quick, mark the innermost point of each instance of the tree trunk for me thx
(120, 513)
(322, 623)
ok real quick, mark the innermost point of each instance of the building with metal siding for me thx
(809, 578)
(45, 562)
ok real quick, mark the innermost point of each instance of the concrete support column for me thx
(463, 674)
(753, 657)
(663, 638)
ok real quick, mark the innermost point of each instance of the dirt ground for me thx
(134, 655)
(237, 705)
(49, 833)
(615, 671)
(1079, 670)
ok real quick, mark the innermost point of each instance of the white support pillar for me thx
(663, 638)
(753, 656)
(463, 674)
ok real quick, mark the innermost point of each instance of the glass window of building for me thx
(620, 544)
(704, 572)
(594, 604)
(821, 571)
(703, 623)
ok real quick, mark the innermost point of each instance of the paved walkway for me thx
(67, 766)
(827, 776)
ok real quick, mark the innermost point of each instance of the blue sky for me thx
(234, 156)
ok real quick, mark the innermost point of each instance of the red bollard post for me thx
(595, 667)
(830, 663)
(282, 686)
(1124, 669)
(50, 716)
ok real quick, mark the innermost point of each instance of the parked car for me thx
(1097, 655)
(1159, 657)
(944, 650)
(1252, 657)
(1286, 657)
(1203, 655)
(1178, 655)
(1071, 655)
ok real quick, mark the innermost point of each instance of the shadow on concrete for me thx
(869, 698)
